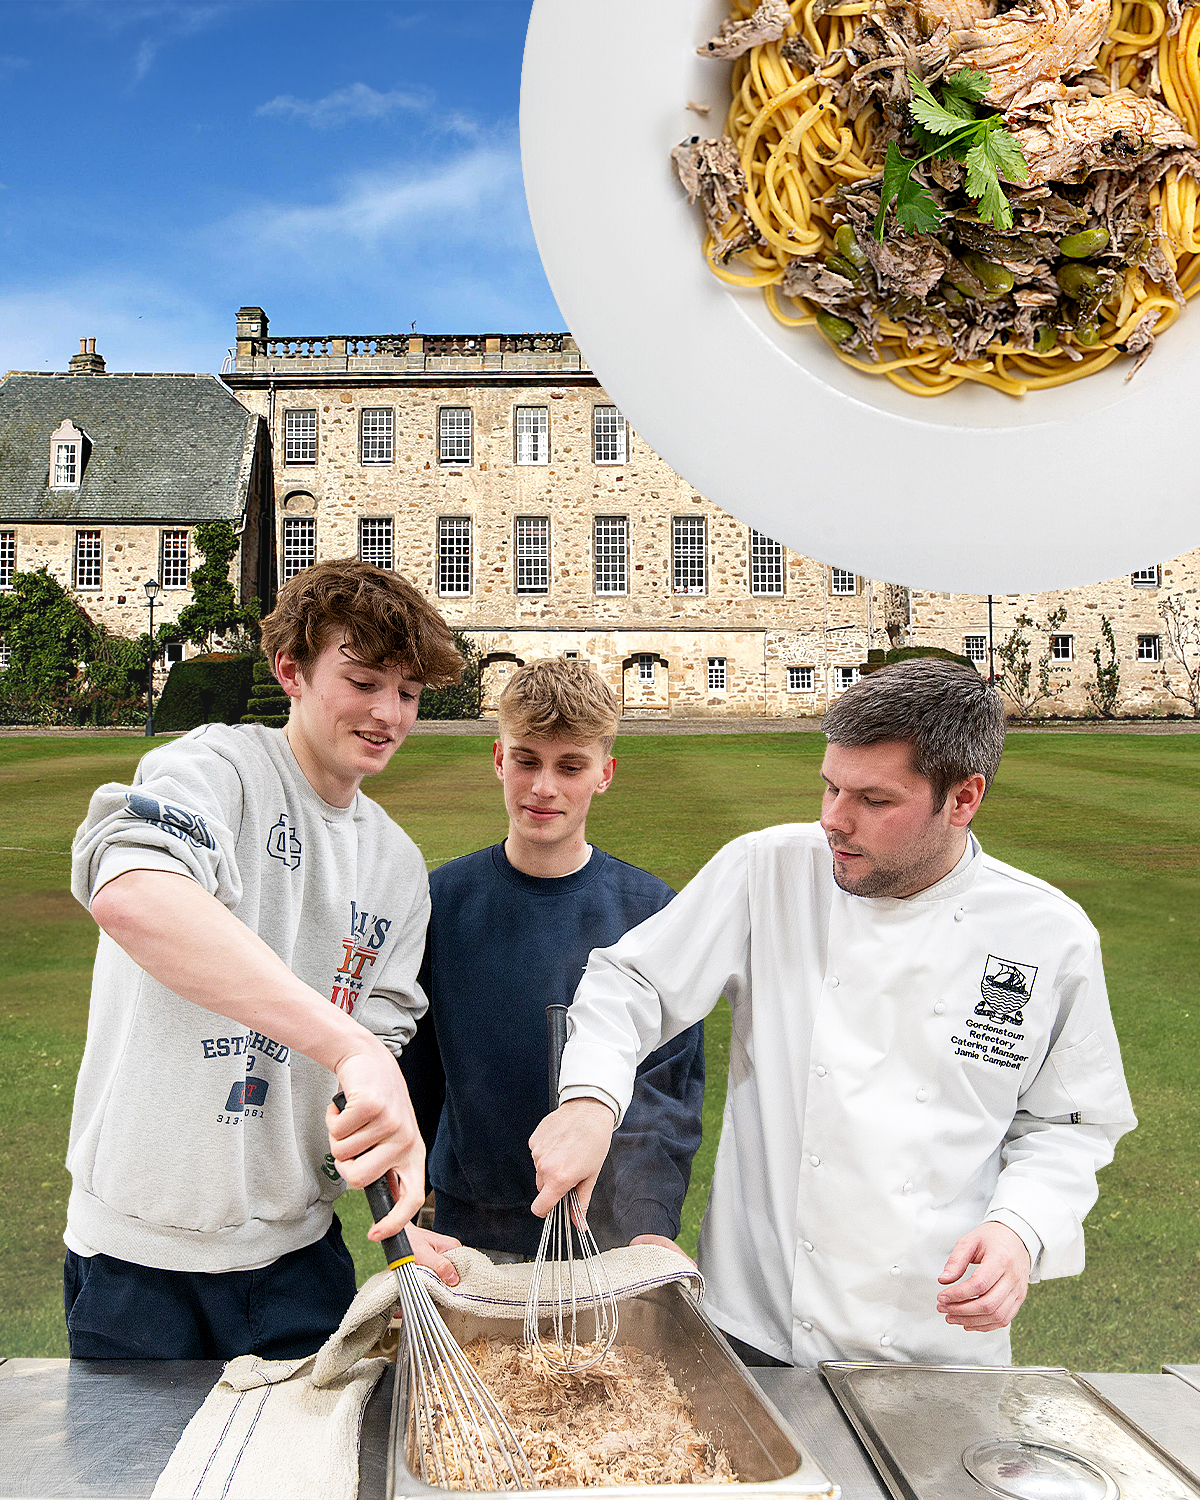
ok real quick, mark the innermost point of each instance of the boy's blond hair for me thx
(560, 699)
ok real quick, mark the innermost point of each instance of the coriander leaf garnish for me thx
(967, 83)
(984, 185)
(936, 119)
(916, 207)
(952, 127)
(1004, 154)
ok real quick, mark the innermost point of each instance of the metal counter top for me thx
(1166, 1409)
(107, 1428)
(811, 1408)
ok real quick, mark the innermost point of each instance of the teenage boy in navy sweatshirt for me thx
(510, 931)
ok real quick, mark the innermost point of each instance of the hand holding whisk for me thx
(579, 1298)
(461, 1437)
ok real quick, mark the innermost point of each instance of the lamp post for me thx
(151, 586)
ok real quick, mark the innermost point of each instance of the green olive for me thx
(1078, 282)
(842, 266)
(952, 295)
(996, 280)
(837, 330)
(1086, 242)
(1046, 339)
(846, 244)
(1087, 334)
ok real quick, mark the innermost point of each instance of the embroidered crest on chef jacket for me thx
(1007, 987)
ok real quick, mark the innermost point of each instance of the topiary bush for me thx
(268, 704)
(210, 689)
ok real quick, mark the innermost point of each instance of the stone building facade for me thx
(1067, 628)
(497, 474)
(104, 477)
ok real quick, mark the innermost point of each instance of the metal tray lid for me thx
(963, 1432)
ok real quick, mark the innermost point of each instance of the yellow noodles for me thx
(797, 146)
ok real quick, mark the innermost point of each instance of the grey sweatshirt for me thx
(196, 1143)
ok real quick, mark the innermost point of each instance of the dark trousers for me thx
(118, 1310)
(753, 1357)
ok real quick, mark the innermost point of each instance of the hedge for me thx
(205, 690)
(459, 700)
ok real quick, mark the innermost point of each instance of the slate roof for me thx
(170, 448)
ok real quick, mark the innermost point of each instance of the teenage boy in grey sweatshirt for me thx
(261, 927)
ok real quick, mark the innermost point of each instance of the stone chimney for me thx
(251, 333)
(87, 361)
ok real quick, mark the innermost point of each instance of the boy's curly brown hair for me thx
(387, 622)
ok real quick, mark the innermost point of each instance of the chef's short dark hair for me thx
(952, 720)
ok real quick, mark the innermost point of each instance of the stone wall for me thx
(1132, 610)
(129, 555)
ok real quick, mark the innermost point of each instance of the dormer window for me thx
(66, 456)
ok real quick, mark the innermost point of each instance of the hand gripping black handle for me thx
(556, 1039)
(397, 1247)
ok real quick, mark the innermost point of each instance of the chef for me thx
(924, 1077)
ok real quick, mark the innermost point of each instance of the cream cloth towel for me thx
(286, 1427)
(491, 1291)
(289, 1427)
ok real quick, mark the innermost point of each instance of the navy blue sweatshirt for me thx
(501, 947)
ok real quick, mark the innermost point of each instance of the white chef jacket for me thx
(900, 1071)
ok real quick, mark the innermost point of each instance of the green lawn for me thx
(1112, 820)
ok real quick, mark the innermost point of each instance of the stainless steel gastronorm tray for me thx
(918, 1421)
(729, 1408)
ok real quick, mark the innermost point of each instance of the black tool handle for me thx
(397, 1247)
(556, 1040)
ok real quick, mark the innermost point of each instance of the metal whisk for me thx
(461, 1437)
(580, 1299)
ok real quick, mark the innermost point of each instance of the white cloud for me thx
(13, 64)
(474, 198)
(358, 101)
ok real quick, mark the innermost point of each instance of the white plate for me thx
(973, 492)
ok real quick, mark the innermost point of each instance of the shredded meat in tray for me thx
(622, 1422)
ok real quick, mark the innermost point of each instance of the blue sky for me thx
(351, 166)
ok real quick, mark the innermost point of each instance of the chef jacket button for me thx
(895, 1270)
(960, 914)
(807, 1327)
(908, 1187)
(820, 1072)
(833, 983)
(921, 1096)
(808, 1246)
(940, 1008)
(886, 1340)
(814, 1161)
